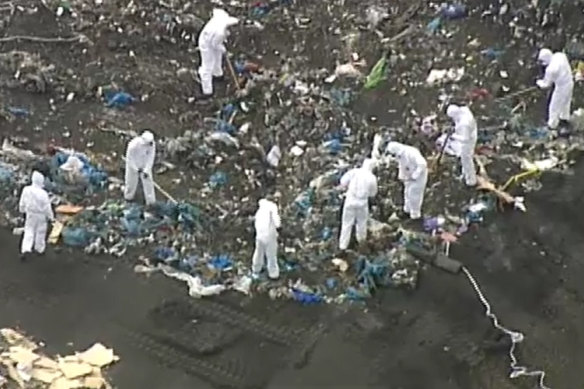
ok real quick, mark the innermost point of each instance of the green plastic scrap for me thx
(377, 74)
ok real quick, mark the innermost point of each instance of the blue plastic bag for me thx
(132, 227)
(306, 298)
(164, 254)
(76, 236)
(334, 146)
(217, 179)
(434, 25)
(5, 175)
(189, 216)
(19, 112)
(223, 126)
(119, 99)
(221, 262)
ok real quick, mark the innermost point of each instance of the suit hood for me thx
(38, 180)
(454, 111)
(395, 148)
(545, 56)
(223, 19)
(263, 203)
(369, 164)
(147, 137)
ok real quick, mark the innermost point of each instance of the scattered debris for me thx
(27, 367)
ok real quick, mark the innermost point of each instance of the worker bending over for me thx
(559, 74)
(212, 48)
(139, 162)
(361, 184)
(413, 172)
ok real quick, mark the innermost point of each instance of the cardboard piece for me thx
(68, 209)
(98, 355)
(82, 370)
(73, 370)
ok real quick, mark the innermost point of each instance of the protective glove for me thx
(541, 84)
(456, 137)
(222, 49)
(402, 174)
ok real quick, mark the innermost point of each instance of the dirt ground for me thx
(529, 265)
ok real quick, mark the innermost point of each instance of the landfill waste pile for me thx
(293, 118)
(23, 365)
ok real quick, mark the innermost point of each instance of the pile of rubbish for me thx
(114, 226)
(293, 124)
(67, 172)
(23, 365)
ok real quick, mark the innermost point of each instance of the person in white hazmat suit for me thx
(267, 223)
(36, 205)
(559, 74)
(212, 48)
(465, 132)
(361, 185)
(413, 172)
(139, 162)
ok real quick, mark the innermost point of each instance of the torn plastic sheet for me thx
(196, 287)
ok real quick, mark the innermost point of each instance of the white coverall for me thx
(267, 220)
(361, 184)
(559, 74)
(465, 131)
(139, 161)
(413, 172)
(212, 48)
(36, 205)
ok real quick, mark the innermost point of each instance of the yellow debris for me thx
(82, 370)
(98, 355)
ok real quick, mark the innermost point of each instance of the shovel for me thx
(159, 188)
(518, 93)
(232, 71)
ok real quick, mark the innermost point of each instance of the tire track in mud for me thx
(195, 335)
(168, 353)
(206, 337)
(276, 334)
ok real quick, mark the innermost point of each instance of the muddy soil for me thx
(529, 265)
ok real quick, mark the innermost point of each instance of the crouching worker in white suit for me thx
(36, 205)
(559, 74)
(139, 162)
(361, 184)
(267, 223)
(413, 172)
(212, 48)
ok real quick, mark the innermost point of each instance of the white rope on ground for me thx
(516, 337)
